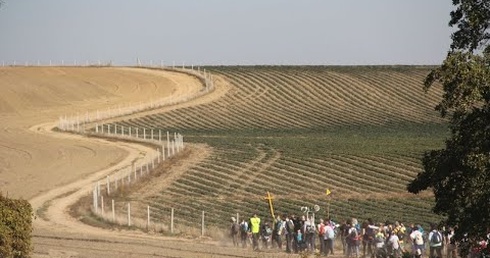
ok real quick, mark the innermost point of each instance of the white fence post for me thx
(148, 224)
(108, 186)
(102, 204)
(113, 212)
(135, 175)
(98, 188)
(129, 214)
(95, 199)
(202, 224)
(172, 220)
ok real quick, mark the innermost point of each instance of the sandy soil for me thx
(53, 170)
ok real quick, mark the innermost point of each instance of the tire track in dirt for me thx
(23, 153)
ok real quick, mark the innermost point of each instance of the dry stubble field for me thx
(259, 123)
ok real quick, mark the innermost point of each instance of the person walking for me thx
(344, 232)
(309, 233)
(329, 237)
(255, 229)
(289, 232)
(393, 245)
(435, 242)
(279, 231)
(321, 235)
(418, 247)
(451, 243)
(244, 233)
(353, 240)
(234, 231)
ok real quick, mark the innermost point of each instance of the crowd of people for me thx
(294, 234)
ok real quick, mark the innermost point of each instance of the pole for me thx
(102, 204)
(108, 186)
(113, 212)
(327, 192)
(129, 214)
(148, 224)
(172, 220)
(94, 192)
(202, 224)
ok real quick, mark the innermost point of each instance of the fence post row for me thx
(78, 123)
(129, 214)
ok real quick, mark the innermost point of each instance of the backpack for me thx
(244, 228)
(279, 227)
(436, 238)
(370, 233)
(235, 228)
(322, 230)
(419, 239)
(310, 229)
(330, 233)
(353, 236)
(268, 231)
(290, 227)
(400, 235)
(299, 237)
(400, 232)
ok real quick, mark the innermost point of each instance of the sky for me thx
(226, 32)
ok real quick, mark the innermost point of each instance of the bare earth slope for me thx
(52, 170)
(31, 163)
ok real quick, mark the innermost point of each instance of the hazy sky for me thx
(226, 31)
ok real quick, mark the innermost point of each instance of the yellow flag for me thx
(328, 192)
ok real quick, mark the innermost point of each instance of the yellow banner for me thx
(328, 192)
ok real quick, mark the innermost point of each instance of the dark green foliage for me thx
(459, 174)
(15, 227)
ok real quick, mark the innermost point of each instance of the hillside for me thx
(296, 131)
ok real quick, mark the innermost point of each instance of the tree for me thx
(459, 174)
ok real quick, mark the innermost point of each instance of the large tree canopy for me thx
(459, 174)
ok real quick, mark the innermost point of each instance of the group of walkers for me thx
(295, 234)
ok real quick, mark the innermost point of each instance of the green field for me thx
(296, 131)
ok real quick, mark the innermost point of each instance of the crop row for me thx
(295, 132)
(277, 99)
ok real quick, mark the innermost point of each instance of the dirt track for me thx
(53, 170)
